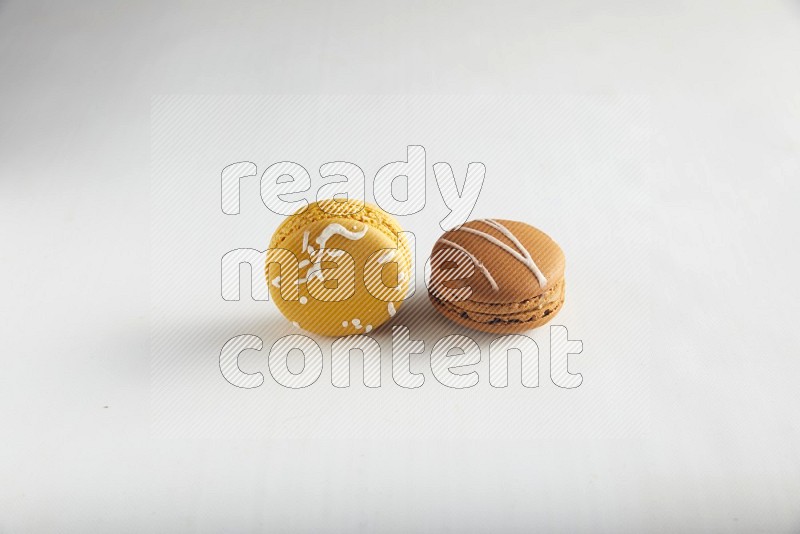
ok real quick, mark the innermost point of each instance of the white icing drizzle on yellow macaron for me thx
(322, 240)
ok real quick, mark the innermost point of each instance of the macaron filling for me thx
(535, 309)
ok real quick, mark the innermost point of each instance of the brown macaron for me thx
(497, 276)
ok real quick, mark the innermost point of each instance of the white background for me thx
(721, 447)
(575, 166)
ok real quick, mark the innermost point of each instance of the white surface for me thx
(721, 449)
(575, 166)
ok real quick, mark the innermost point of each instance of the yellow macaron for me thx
(339, 267)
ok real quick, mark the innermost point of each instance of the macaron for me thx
(339, 267)
(497, 276)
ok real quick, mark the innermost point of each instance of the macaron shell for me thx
(515, 281)
(359, 313)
